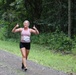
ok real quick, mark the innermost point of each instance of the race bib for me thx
(26, 39)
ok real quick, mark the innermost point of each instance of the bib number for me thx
(26, 39)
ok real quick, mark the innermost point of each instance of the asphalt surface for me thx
(10, 64)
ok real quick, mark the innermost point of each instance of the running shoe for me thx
(25, 68)
(22, 66)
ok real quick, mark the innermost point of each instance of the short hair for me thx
(26, 22)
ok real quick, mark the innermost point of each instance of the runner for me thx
(25, 40)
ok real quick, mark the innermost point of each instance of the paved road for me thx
(10, 64)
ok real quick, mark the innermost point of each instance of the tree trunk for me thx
(69, 18)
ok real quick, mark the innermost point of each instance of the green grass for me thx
(42, 55)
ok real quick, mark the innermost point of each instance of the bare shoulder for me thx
(20, 29)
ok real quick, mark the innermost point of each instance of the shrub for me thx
(55, 41)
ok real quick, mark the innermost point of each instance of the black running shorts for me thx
(25, 45)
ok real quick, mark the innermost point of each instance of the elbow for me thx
(37, 33)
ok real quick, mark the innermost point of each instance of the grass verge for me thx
(42, 55)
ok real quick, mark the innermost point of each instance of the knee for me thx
(24, 56)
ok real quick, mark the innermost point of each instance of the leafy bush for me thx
(5, 31)
(61, 42)
(55, 41)
(67, 44)
(2, 32)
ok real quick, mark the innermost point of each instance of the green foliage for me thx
(48, 14)
(2, 32)
(67, 44)
(55, 41)
(11, 15)
(59, 41)
(5, 31)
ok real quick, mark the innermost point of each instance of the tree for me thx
(34, 9)
(69, 18)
